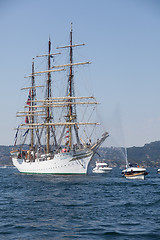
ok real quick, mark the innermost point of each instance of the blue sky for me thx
(122, 41)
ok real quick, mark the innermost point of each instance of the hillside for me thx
(148, 155)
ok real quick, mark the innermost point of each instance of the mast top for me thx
(71, 26)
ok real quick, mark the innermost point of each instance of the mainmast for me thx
(48, 96)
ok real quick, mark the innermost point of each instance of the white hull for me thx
(101, 167)
(140, 177)
(158, 170)
(107, 170)
(60, 164)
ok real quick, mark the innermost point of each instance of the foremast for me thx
(48, 96)
(70, 89)
(71, 108)
(71, 116)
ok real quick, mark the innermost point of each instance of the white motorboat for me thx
(101, 167)
(158, 170)
(133, 172)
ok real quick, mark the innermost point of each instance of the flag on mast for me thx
(29, 98)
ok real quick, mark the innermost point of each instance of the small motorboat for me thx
(101, 167)
(158, 171)
(134, 172)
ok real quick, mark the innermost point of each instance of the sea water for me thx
(79, 207)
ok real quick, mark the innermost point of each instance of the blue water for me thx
(79, 207)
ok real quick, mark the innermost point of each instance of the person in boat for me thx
(68, 150)
(19, 155)
(64, 150)
(130, 165)
(38, 153)
(23, 154)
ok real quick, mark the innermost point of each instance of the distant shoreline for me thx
(148, 155)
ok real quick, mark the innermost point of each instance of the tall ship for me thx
(55, 135)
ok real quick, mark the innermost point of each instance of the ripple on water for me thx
(78, 207)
